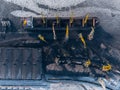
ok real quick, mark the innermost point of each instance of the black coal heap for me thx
(69, 58)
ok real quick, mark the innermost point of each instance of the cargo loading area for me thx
(59, 45)
(50, 49)
(20, 64)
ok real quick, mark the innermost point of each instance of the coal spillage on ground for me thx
(71, 58)
(65, 51)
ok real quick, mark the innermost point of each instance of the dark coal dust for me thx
(70, 57)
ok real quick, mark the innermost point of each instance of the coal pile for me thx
(20, 63)
(68, 50)
(70, 58)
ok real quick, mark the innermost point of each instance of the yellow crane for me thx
(82, 39)
(87, 63)
(67, 33)
(84, 20)
(24, 22)
(71, 18)
(106, 67)
(42, 38)
(91, 35)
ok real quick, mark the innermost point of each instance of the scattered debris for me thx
(103, 46)
(102, 83)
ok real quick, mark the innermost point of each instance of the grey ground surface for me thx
(108, 11)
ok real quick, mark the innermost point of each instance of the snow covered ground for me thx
(50, 3)
(107, 10)
(110, 84)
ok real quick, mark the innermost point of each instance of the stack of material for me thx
(20, 63)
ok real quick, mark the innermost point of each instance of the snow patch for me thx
(50, 3)
(20, 13)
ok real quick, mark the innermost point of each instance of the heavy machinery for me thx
(49, 46)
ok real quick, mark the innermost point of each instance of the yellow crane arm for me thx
(42, 38)
(83, 40)
(54, 34)
(106, 67)
(91, 35)
(25, 22)
(67, 33)
(86, 18)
